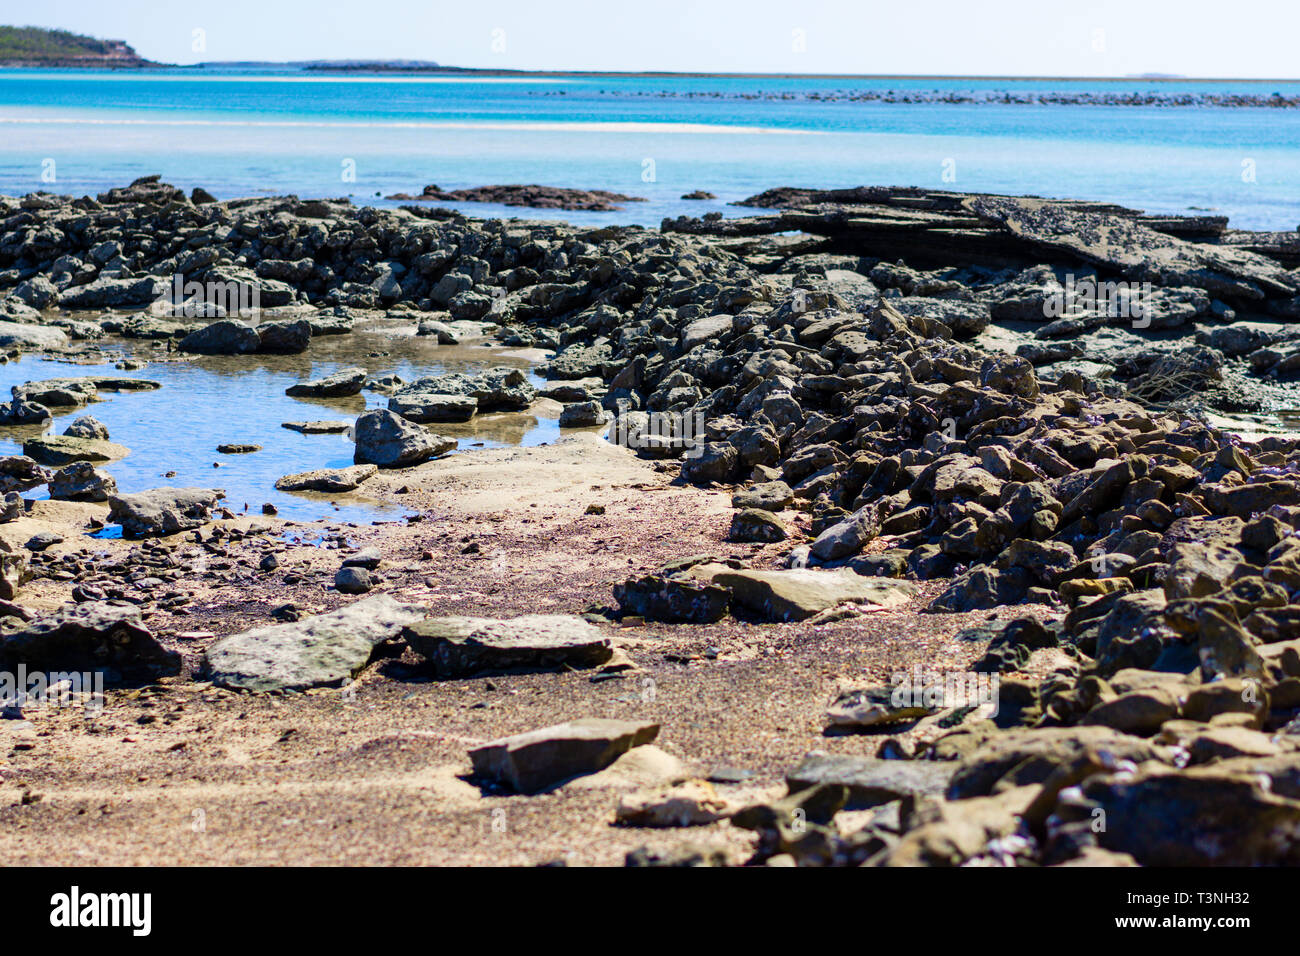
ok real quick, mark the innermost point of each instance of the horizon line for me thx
(382, 66)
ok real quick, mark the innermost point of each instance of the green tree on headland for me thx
(37, 45)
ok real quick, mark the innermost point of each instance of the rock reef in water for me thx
(532, 197)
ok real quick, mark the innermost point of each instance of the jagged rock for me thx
(959, 832)
(1018, 757)
(87, 426)
(1203, 816)
(328, 479)
(81, 481)
(19, 412)
(541, 759)
(12, 507)
(848, 537)
(20, 473)
(754, 524)
(93, 636)
(1136, 251)
(14, 568)
(496, 389)
(56, 392)
(672, 597)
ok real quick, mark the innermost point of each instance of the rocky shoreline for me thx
(1016, 424)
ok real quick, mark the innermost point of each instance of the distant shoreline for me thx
(313, 67)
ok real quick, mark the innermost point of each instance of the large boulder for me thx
(226, 337)
(162, 511)
(286, 338)
(327, 649)
(386, 439)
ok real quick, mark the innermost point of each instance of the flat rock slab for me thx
(797, 594)
(315, 652)
(541, 759)
(872, 781)
(15, 335)
(1135, 250)
(95, 636)
(347, 381)
(317, 428)
(65, 449)
(162, 511)
(328, 479)
(428, 407)
(877, 706)
(463, 646)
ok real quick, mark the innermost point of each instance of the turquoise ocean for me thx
(256, 131)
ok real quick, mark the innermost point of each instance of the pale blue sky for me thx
(949, 37)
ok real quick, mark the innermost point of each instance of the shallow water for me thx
(206, 401)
